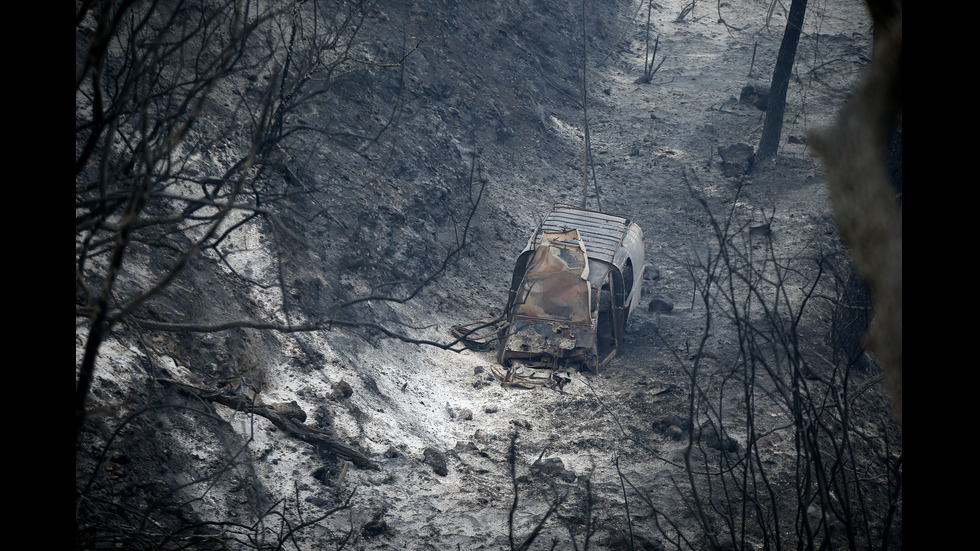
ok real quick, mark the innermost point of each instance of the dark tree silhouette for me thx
(773, 127)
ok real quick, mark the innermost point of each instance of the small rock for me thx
(491, 409)
(525, 424)
(392, 452)
(721, 442)
(466, 414)
(553, 466)
(375, 527)
(682, 424)
(480, 436)
(661, 305)
(762, 230)
(736, 159)
(341, 391)
(435, 459)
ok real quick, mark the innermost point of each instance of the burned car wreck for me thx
(574, 287)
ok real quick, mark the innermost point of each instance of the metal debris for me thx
(480, 334)
(525, 375)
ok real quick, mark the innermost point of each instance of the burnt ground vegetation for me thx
(281, 211)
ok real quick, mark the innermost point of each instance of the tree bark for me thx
(780, 81)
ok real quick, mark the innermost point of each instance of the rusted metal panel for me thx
(555, 285)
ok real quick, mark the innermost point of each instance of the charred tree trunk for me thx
(780, 81)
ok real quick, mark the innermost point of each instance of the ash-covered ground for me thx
(489, 105)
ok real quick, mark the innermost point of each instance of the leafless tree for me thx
(792, 443)
(145, 76)
(196, 125)
(193, 129)
(788, 442)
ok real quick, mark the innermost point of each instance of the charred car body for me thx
(573, 290)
